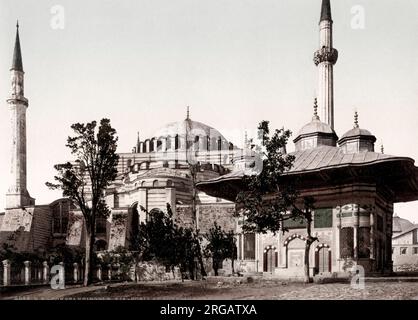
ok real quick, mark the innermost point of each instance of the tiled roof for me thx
(328, 157)
(319, 158)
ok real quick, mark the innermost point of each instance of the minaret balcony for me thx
(326, 54)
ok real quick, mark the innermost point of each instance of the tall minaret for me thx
(17, 195)
(325, 58)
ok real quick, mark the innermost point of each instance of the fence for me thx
(28, 273)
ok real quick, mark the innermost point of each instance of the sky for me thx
(234, 62)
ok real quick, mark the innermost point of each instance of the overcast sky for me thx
(141, 62)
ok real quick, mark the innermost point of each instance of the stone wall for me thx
(16, 229)
(207, 215)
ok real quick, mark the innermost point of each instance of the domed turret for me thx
(357, 139)
(315, 134)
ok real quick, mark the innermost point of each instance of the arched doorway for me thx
(270, 259)
(323, 258)
(295, 252)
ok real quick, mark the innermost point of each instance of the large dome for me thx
(189, 128)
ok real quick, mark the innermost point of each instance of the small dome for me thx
(400, 225)
(356, 132)
(316, 126)
(315, 134)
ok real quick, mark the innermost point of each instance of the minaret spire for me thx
(326, 10)
(325, 58)
(188, 113)
(17, 195)
(17, 64)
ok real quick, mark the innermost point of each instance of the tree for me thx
(194, 169)
(270, 198)
(221, 245)
(85, 180)
(161, 239)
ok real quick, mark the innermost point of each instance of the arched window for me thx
(151, 145)
(155, 184)
(177, 142)
(169, 183)
(207, 143)
(249, 246)
(134, 216)
(196, 143)
(142, 184)
(60, 213)
(101, 225)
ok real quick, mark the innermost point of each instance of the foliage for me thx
(65, 254)
(271, 197)
(161, 239)
(17, 258)
(121, 256)
(221, 245)
(85, 180)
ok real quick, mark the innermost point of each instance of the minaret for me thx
(325, 58)
(17, 195)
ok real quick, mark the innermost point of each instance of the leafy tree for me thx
(221, 245)
(270, 198)
(161, 239)
(85, 180)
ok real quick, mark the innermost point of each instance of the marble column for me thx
(45, 273)
(99, 273)
(28, 272)
(75, 272)
(6, 273)
(372, 235)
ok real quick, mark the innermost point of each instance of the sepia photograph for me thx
(208, 154)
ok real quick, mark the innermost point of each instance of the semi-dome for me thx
(400, 224)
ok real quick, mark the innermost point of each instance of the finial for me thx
(315, 117)
(356, 119)
(382, 149)
(188, 113)
(17, 24)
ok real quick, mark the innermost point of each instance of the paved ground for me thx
(265, 290)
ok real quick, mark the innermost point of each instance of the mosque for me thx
(189, 162)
